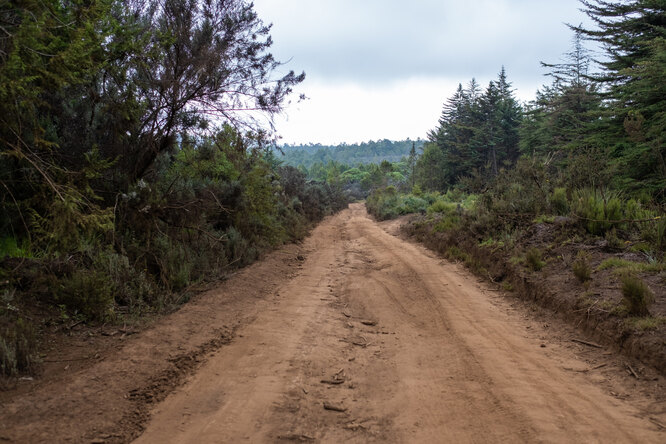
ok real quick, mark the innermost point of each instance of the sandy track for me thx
(427, 354)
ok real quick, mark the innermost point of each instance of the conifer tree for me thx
(633, 33)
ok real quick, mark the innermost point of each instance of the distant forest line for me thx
(364, 153)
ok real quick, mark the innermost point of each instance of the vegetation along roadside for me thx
(130, 166)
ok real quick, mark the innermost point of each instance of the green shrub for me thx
(18, 348)
(442, 206)
(9, 246)
(559, 202)
(447, 223)
(131, 286)
(87, 293)
(613, 240)
(636, 295)
(581, 267)
(534, 259)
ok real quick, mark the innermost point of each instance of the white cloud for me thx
(348, 112)
(383, 68)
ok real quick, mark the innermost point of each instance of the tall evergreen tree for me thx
(633, 33)
(560, 120)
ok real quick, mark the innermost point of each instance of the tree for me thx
(561, 120)
(633, 33)
(411, 165)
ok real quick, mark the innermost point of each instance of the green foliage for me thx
(559, 202)
(87, 293)
(442, 206)
(637, 296)
(524, 189)
(534, 259)
(581, 267)
(9, 246)
(130, 287)
(371, 152)
(623, 266)
(602, 211)
(477, 135)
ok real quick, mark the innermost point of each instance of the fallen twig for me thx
(296, 437)
(633, 372)
(368, 322)
(332, 381)
(346, 314)
(75, 324)
(590, 344)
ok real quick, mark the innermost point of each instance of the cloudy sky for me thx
(381, 69)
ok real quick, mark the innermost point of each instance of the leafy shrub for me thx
(442, 206)
(534, 259)
(523, 189)
(88, 293)
(447, 222)
(559, 202)
(131, 286)
(613, 240)
(581, 267)
(9, 246)
(636, 295)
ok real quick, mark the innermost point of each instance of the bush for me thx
(558, 201)
(636, 295)
(581, 267)
(442, 206)
(88, 293)
(534, 259)
(131, 286)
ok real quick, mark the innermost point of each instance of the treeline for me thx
(588, 130)
(134, 158)
(590, 146)
(561, 200)
(354, 154)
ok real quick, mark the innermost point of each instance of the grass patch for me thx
(645, 323)
(544, 219)
(534, 259)
(581, 267)
(636, 295)
(624, 266)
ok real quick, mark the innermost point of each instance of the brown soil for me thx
(354, 336)
(595, 307)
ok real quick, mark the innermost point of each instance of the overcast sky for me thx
(382, 69)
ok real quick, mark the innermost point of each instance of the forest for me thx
(135, 159)
(139, 156)
(348, 154)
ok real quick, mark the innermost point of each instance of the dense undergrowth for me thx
(204, 216)
(135, 160)
(592, 254)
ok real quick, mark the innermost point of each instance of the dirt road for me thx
(378, 340)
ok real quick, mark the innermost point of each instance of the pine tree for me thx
(633, 32)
